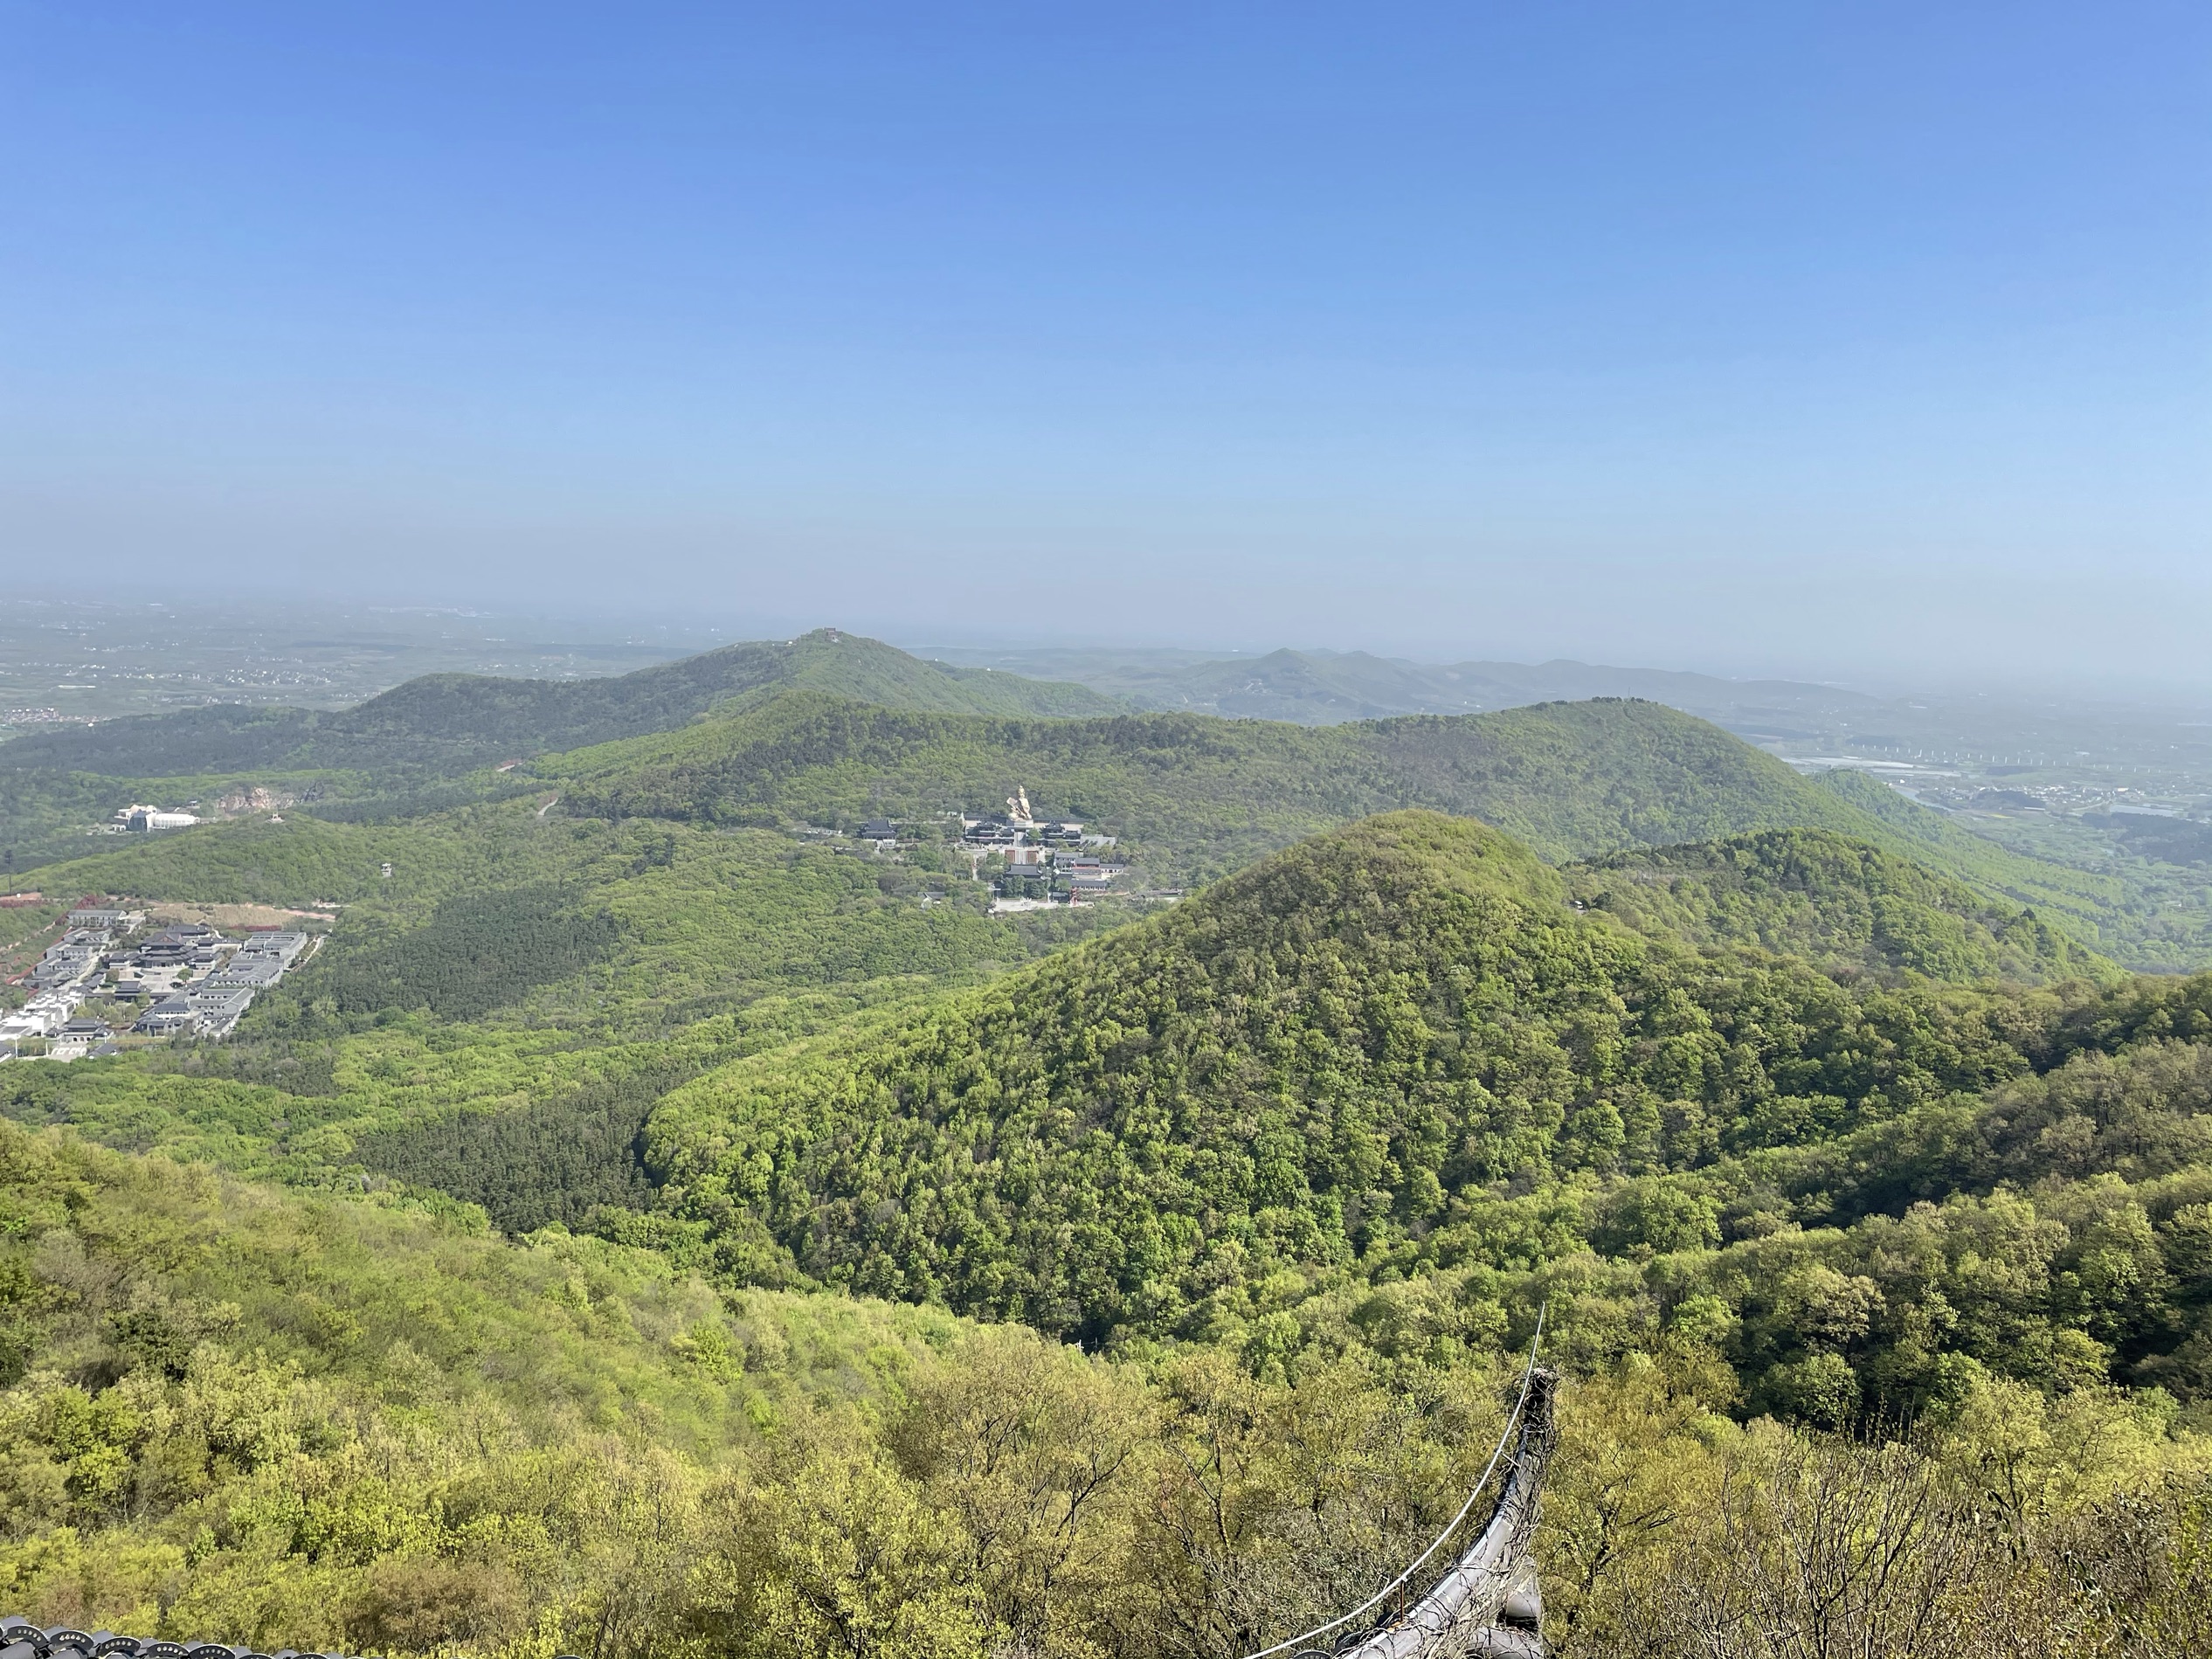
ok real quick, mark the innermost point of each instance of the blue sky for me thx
(1866, 339)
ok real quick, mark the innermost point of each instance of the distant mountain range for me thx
(428, 745)
(831, 724)
(1326, 688)
(443, 723)
(448, 722)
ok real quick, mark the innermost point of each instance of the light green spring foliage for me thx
(1304, 1156)
(550, 978)
(2112, 910)
(658, 924)
(2148, 915)
(256, 1399)
(1197, 798)
(1193, 797)
(305, 1128)
(1839, 903)
(299, 1422)
(1390, 1087)
(1395, 1051)
(318, 1421)
(1200, 796)
(839, 728)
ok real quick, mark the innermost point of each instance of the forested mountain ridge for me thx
(426, 746)
(1196, 797)
(455, 722)
(1205, 796)
(1193, 796)
(580, 923)
(2097, 908)
(495, 1018)
(1304, 1152)
(1394, 1056)
(1836, 901)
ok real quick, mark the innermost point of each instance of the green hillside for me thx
(1201, 797)
(2117, 911)
(576, 922)
(306, 1421)
(1395, 1052)
(1835, 902)
(289, 1422)
(1191, 797)
(47, 816)
(406, 751)
(1305, 1155)
(457, 720)
(1195, 797)
(497, 1018)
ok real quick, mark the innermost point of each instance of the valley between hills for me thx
(660, 1217)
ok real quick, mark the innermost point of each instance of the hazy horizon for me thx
(686, 635)
(1845, 344)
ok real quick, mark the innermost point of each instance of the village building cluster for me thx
(1041, 861)
(106, 974)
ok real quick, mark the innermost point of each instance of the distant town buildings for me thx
(41, 717)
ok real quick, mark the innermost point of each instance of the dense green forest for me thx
(1202, 796)
(323, 1423)
(1393, 1076)
(1835, 902)
(545, 935)
(767, 735)
(1206, 796)
(1195, 797)
(535, 908)
(2117, 911)
(498, 909)
(604, 1208)
(2161, 916)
